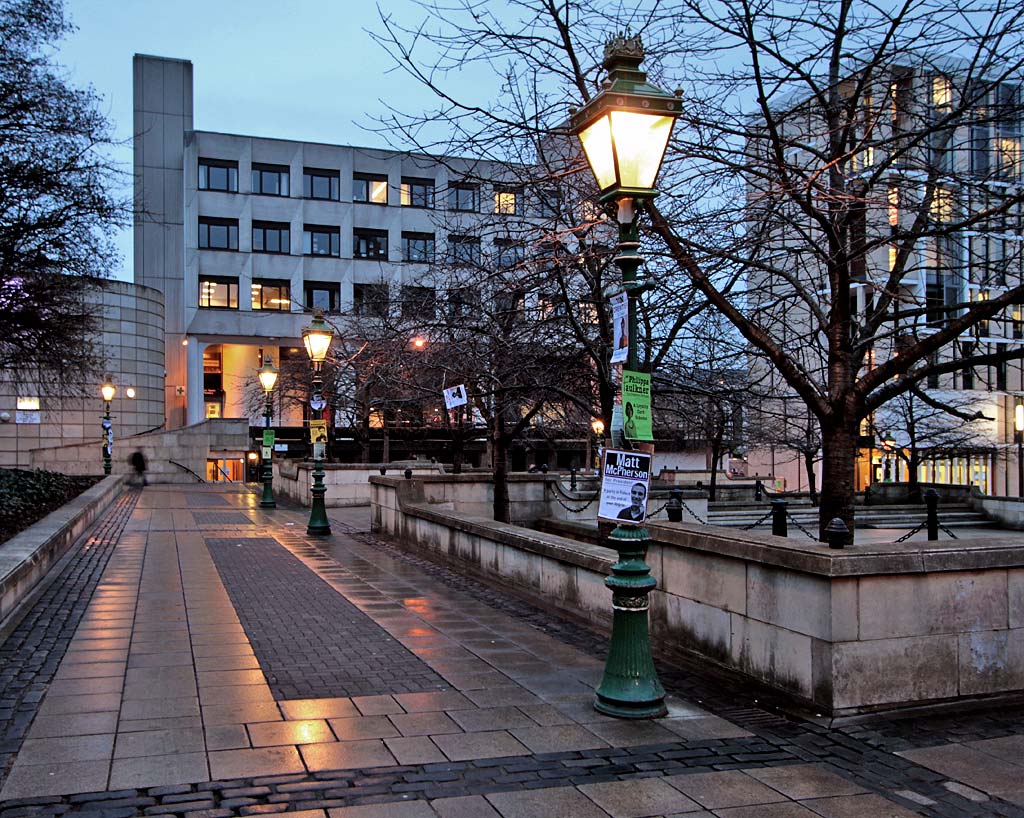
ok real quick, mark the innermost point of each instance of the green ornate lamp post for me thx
(317, 339)
(268, 380)
(624, 131)
(107, 391)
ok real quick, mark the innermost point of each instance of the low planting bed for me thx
(27, 496)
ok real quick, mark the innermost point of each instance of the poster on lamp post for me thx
(620, 327)
(268, 437)
(625, 484)
(636, 406)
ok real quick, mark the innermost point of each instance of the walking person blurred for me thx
(138, 463)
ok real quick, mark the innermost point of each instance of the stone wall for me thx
(862, 629)
(190, 447)
(347, 483)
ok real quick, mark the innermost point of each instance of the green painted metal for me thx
(267, 500)
(319, 525)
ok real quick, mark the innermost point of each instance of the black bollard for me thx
(383, 469)
(674, 506)
(836, 533)
(408, 474)
(757, 491)
(572, 478)
(779, 523)
(931, 500)
(544, 468)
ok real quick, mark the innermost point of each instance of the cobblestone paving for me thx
(221, 518)
(309, 640)
(30, 655)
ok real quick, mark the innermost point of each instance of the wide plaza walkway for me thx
(200, 656)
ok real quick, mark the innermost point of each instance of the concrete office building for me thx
(244, 235)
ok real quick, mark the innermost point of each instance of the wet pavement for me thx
(196, 655)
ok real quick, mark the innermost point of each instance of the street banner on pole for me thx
(625, 482)
(620, 327)
(455, 396)
(268, 437)
(636, 405)
(318, 431)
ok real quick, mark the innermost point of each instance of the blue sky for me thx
(302, 70)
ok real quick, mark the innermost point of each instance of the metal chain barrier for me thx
(579, 510)
(693, 513)
(795, 522)
(658, 511)
(755, 525)
(911, 533)
(951, 534)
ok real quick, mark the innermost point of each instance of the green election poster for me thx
(636, 405)
(268, 437)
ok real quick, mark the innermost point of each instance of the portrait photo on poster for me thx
(625, 485)
(620, 328)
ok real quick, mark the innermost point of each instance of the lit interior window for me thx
(28, 404)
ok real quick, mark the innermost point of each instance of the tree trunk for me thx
(812, 483)
(716, 454)
(913, 482)
(839, 453)
(500, 449)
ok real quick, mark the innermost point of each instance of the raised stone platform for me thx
(872, 627)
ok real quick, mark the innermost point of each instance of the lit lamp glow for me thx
(1018, 425)
(107, 391)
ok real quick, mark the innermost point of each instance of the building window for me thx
(218, 234)
(466, 197)
(417, 192)
(321, 184)
(370, 188)
(270, 180)
(418, 247)
(419, 302)
(464, 249)
(271, 295)
(507, 253)
(941, 209)
(218, 174)
(371, 244)
(270, 237)
(218, 293)
(463, 301)
(549, 203)
(370, 300)
(321, 241)
(507, 199)
(322, 296)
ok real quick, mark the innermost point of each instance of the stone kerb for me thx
(26, 558)
(867, 628)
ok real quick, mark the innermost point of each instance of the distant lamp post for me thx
(597, 426)
(268, 380)
(1018, 426)
(317, 339)
(107, 390)
(624, 131)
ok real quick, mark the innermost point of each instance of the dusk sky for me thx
(300, 70)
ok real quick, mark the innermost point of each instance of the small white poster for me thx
(620, 327)
(455, 396)
(267, 452)
(625, 484)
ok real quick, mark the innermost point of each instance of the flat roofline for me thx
(429, 156)
(138, 56)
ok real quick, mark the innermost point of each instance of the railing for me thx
(186, 468)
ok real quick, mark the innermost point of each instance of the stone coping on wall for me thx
(802, 555)
(27, 556)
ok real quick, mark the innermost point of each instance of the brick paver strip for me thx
(221, 518)
(31, 654)
(196, 500)
(309, 640)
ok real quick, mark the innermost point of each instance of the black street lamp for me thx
(1018, 429)
(107, 390)
(624, 131)
(268, 380)
(317, 339)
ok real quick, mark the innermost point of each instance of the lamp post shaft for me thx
(1020, 464)
(318, 522)
(107, 461)
(267, 500)
(630, 687)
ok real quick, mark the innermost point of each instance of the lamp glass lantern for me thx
(317, 338)
(625, 129)
(108, 390)
(1018, 417)
(267, 374)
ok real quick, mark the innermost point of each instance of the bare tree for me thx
(841, 186)
(57, 213)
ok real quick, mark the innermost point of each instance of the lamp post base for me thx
(319, 525)
(630, 688)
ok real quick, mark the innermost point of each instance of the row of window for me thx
(323, 240)
(217, 292)
(369, 188)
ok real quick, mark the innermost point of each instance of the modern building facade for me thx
(245, 235)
